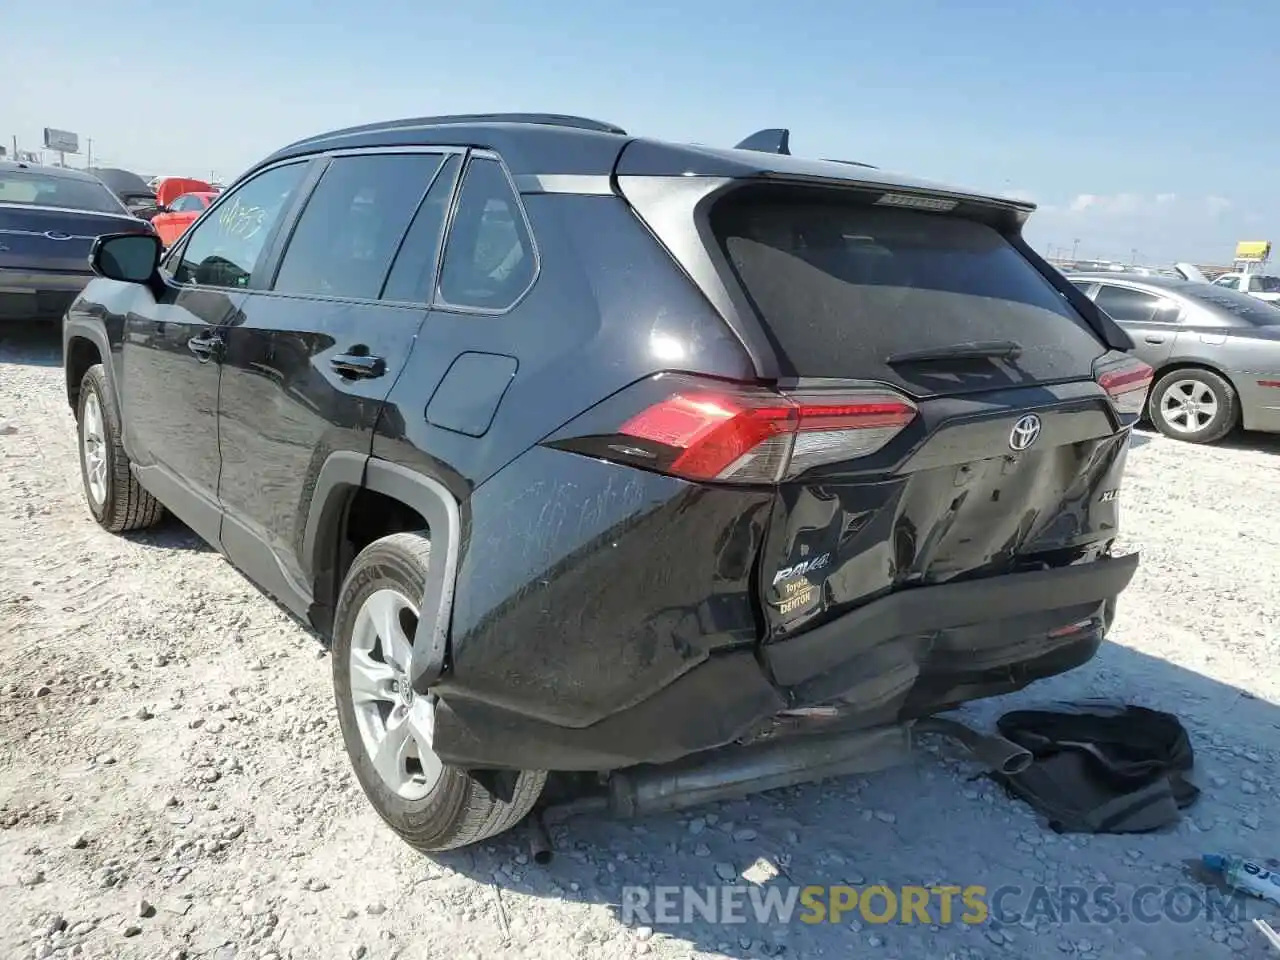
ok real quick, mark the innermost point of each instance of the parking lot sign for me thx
(63, 141)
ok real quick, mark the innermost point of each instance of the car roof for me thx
(65, 173)
(1174, 284)
(555, 144)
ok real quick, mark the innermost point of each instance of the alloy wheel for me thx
(1188, 406)
(94, 449)
(396, 724)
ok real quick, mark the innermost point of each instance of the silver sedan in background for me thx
(1215, 351)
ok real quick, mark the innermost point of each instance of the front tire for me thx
(116, 499)
(1194, 405)
(387, 729)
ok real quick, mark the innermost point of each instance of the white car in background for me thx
(1255, 285)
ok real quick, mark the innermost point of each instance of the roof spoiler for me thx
(778, 140)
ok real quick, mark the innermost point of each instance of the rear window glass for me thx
(1264, 284)
(43, 190)
(1240, 306)
(842, 286)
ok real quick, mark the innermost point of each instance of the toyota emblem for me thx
(1024, 432)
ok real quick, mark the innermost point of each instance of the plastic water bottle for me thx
(1246, 876)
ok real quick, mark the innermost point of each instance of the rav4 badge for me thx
(800, 569)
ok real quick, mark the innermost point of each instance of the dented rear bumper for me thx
(905, 655)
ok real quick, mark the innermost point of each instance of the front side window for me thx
(353, 224)
(489, 257)
(223, 248)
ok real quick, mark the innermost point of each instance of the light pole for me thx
(1075, 246)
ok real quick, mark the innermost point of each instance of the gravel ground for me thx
(172, 781)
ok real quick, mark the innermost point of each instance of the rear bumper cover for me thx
(947, 607)
(908, 654)
(37, 294)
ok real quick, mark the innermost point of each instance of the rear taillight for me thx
(1126, 380)
(710, 431)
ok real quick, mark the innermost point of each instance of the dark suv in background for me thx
(595, 454)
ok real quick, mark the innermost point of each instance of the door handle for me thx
(1153, 339)
(358, 366)
(205, 347)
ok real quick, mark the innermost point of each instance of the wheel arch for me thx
(341, 479)
(1189, 363)
(82, 347)
(1192, 363)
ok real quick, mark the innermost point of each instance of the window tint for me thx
(33, 188)
(223, 249)
(415, 268)
(1133, 306)
(843, 286)
(1264, 284)
(1228, 281)
(489, 258)
(351, 228)
(1240, 307)
(186, 204)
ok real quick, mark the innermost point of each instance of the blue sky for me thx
(1117, 118)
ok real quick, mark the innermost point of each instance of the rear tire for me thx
(387, 729)
(1194, 405)
(116, 499)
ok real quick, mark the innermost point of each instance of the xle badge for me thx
(1108, 496)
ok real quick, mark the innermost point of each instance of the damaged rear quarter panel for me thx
(587, 586)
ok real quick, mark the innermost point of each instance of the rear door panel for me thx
(288, 395)
(1152, 322)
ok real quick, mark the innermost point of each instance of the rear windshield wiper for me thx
(972, 350)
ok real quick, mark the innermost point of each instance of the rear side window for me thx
(1125, 305)
(351, 228)
(414, 271)
(842, 286)
(489, 258)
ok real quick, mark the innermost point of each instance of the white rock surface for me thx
(231, 805)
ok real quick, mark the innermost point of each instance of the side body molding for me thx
(342, 474)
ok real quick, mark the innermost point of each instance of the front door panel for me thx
(169, 396)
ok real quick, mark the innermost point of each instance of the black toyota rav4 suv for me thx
(659, 468)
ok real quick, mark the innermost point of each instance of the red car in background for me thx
(181, 201)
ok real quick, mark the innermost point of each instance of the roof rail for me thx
(546, 119)
(853, 163)
(774, 140)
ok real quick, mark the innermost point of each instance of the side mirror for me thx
(130, 257)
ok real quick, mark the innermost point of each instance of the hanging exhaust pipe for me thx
(732, 773)
(740, 770)
(1003, 756)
